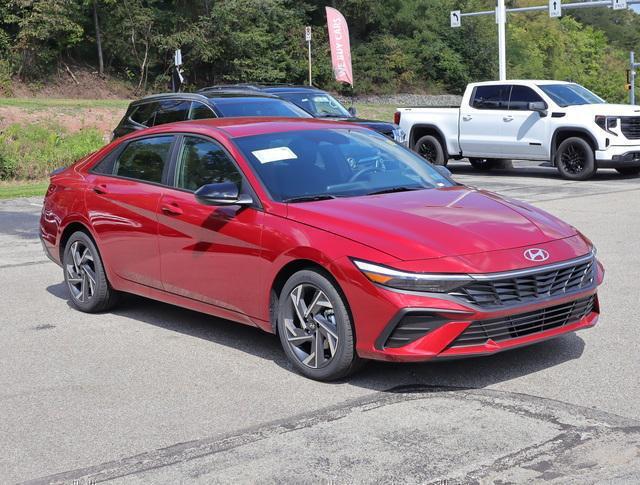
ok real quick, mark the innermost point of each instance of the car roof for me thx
(205, 95)
(520, 81)
(265, 88)
(240, 127)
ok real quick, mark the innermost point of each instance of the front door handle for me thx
(172, 209)
(507, 118)
(100, 189)
(467, 118)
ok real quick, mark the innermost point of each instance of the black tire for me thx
(628, 170)
(344, 361)
(575, 159)
(483, 164)
(430, 148)
(86, 296)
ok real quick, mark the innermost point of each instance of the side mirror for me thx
(224, 193)
(540, 107)
(444, 171)
(352, 111)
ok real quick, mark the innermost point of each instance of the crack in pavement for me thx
(578, 425)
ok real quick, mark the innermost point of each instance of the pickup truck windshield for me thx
(570, 94)
(307, 165)
(319, 105)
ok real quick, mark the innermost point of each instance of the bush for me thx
(32, 151)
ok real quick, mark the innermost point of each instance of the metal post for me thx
(502, 52)
(309, 45)
(632, 78)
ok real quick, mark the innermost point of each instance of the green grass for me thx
(44, 103)
(12, 190)
(382, 112)
(32, 151)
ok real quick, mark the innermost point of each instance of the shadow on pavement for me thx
(379, 376)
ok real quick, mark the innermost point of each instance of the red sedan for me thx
(340, 241)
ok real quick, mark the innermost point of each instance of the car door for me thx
(523, 131)
(209, 253)
(481, 120)
(122, 203)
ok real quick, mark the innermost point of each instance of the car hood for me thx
(379, 126)
(433, 223)
(607, 109)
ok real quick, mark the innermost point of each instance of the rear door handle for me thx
(467, 118)
(507, 118)
(172, 209)
(100, 189)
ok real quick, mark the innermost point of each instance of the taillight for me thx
(396, 117)
(50, 190)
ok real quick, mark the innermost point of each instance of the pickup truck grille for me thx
(631, 127)
(514, 326)
(546, 283)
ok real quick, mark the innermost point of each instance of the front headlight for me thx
(607, 123)
(399, 135)
(401, 280)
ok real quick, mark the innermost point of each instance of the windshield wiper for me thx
(309, 198)
(390, 190)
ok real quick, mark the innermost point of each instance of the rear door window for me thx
(171, 111)
(521, 96)
(491, 97)
(144, 159)
(202, 162)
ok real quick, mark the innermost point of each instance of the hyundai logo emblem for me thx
(536, 254)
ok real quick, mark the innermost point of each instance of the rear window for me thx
(491, 97)
(172, 111)
(254, 106)
(143, 114)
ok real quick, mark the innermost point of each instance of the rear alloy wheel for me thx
(430, 148)
(315, 328)
(575, 159)
(85, 276)
(628, 170)
(482, 163)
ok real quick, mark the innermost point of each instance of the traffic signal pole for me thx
(633, 65)
(554, 8)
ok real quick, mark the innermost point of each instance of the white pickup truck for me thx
(562, 122)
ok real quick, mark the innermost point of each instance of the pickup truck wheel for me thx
(429, 148)
(482, 163)
(575, 159)
(628, 170)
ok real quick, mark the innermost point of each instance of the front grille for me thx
(489, 292)
(630, 126)
(411, 327)
(512, 326)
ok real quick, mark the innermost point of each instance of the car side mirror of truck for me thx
(224, 193)
(540, 107)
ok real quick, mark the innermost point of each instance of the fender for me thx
(559, 130)
(443, 139)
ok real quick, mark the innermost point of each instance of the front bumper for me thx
(618, 156)
(441, 325)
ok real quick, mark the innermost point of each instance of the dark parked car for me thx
(320, 104)
(159, 109)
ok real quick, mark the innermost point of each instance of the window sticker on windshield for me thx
(269, 155)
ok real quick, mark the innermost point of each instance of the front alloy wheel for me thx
(314, 327)
(575, 159)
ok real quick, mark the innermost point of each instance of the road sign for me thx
(619, 4)
(555, 8)
(307, 34)
(455, 18)
(177, 57)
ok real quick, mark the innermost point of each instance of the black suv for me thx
(159, 109)
(319, 104)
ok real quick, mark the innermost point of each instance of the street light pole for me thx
(632, 78)
(502, 49)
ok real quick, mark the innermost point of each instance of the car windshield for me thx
(320, 105)
(299, 166)
(570, 94)
(255, 106)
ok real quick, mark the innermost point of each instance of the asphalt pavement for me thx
(151, 393)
